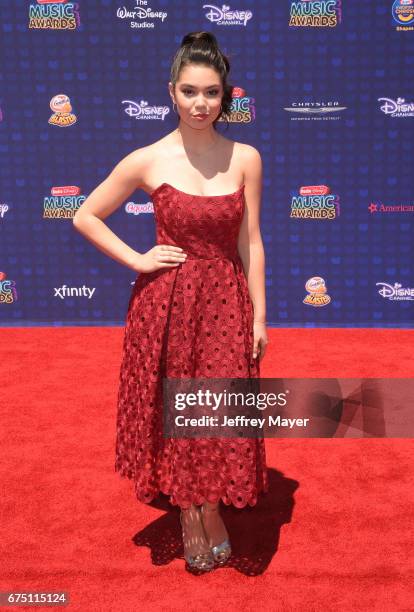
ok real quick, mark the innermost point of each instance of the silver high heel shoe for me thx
(221, 552)
(201, 561)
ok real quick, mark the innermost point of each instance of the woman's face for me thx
(198, 94)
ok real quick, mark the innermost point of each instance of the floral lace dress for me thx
(192, 320)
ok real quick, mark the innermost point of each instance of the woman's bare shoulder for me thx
(146, 153)
(242, 150)
(250, 160)
(247, 151)
(139, 161)
(245, 157)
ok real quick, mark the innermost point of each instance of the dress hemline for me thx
(198, 500)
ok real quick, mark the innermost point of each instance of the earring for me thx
(174, 109)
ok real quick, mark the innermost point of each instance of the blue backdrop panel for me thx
(324, 91)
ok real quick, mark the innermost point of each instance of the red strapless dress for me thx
(193, 320)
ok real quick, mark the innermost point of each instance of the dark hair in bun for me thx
(202, 48)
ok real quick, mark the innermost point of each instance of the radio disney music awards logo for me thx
(315, 202)
(317, 292)
(62, 111)
(403, 14)
(315, 111)
(225, 17)
(310, 14)
(63, 203)
(397, 108)
(8, 292)
(142, 110)
(242, 109)
(376, 207)
(395, 292)
(54, 15)
(142, 12)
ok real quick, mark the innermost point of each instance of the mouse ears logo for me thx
(8, 293)
(62, 108)
(54, 15)
(317, 295)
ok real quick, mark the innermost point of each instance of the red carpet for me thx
(335, 532)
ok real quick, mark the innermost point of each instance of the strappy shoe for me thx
(201, 561)
(221, 552)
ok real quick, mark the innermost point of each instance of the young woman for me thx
(197, 308)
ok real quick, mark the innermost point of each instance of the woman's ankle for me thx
(208, 507)
(190, 511)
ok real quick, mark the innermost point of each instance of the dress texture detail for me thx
(188, 321)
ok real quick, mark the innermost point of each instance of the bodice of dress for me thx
(206, 227)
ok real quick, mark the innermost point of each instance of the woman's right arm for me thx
(124, 179)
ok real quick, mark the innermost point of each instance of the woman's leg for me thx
(194, 538)
(214, 526)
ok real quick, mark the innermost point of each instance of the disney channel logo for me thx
(395, 292)
(397, 108)
(142, 110)
(224, 16)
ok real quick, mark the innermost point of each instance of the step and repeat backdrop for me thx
(324, 90)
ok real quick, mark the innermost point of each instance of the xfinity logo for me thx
(65, 291)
